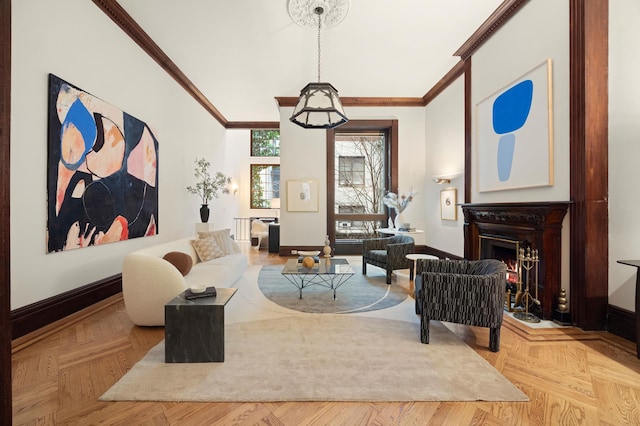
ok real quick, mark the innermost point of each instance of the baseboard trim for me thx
(35, 336)
(621, 322)
(438, 253)
(40, 314)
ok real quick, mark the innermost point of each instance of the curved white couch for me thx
(149, 281)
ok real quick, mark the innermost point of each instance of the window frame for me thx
(273, 147)
(275, 186)
(350, 159)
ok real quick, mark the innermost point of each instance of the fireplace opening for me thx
(510, 251)
(506, 250)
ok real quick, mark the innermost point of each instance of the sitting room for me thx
(212, 245)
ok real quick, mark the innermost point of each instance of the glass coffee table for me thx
(328, 272)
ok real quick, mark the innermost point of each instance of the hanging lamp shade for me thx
(319, 107)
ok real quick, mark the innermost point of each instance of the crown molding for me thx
(450, 77)
(501, 15)
(290, 101)
(253, 125)
(120, 16)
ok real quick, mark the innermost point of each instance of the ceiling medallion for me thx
(303, 12)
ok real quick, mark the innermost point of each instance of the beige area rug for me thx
(274, 354)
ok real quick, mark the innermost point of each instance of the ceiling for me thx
(241, 54)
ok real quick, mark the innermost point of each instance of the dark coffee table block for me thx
(194, 329)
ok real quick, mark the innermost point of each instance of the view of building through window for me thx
(359, 184)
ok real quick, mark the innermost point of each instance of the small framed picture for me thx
(302, 196)
(448, 208)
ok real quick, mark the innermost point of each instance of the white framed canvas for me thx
(514, 134)
(302, 196)
(448, 209)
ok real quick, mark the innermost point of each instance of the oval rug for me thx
(358, 294)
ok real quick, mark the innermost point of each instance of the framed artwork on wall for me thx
(514, 134)
(302, 196)
(448, 208)
(102, 172)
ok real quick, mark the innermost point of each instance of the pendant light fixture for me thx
(319, 106)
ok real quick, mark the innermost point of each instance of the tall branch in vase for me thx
(207, 186)
(399, 203)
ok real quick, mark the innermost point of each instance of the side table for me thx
(394, 231)
(413, 257)
(194, 329)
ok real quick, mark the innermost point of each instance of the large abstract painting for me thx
(515, 134)
(102, 177)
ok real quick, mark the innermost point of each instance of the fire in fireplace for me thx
(505, 250)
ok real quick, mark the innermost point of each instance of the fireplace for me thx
(499, 230)
(504, 249)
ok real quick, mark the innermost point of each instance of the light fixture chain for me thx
(319, 47)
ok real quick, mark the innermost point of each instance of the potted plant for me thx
(207, 186)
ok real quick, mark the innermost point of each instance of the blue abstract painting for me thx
(102, 172)
(514, 144)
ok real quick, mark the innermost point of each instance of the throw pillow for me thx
(182, 261)
(223, 239)
(206, 249)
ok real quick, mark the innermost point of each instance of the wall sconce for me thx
(446, 178)
(234, 188)
(441, 181)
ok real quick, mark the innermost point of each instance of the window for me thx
(363, 157)
(265, 143)
(351, 170)
(265, 185)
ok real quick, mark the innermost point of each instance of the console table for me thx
(194, 329)
(394, 231)
(636, 264)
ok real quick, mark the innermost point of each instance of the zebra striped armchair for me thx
(463, 292)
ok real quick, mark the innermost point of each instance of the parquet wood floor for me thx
(571, 377)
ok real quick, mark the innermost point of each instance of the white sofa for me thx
(149, 281)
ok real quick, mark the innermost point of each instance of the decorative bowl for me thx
(308, 253)
(198, 288)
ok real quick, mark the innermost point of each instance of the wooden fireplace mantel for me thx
(537, 223)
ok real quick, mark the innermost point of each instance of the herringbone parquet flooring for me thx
(571, 378)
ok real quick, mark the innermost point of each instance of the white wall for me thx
(519, 46)
(303, 156)
(238, 143)
(624, 150)
(540, 30)
(77, 42)
(444, 156)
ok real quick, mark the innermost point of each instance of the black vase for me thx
(204, 213)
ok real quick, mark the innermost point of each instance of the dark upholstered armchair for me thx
(388, 253)
(463, 292)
